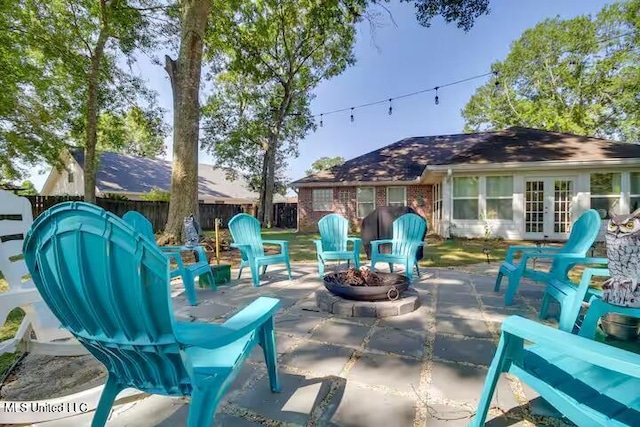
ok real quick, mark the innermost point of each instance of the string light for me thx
(435, 89)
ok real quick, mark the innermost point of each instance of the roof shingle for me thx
(406, 159)
(125, 173)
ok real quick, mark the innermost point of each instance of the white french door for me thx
(547, 207)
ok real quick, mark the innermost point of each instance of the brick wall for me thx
(419, 197)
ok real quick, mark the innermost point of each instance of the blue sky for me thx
(398, 60)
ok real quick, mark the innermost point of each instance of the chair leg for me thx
(288, 264)
(417, 268)
(189, 287)
(108, 396)
(391, 267)
(267, 340)
(203, 405)
(255, 274)
(409, 271)
(320, 268)
(240, 271)
(544, 306)
(496, 288)
(356, 261)
(490, 383)
(514, 282)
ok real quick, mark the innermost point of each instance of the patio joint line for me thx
(514, 383)
(319, 411)
(249, 415)
(422, 395)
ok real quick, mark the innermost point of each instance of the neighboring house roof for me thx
(123, 173)
(407, 159)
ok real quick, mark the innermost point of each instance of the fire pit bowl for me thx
(366, 285)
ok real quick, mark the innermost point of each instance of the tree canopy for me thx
(580, 75)
(49, 53)
(275, 52)
(324, 163)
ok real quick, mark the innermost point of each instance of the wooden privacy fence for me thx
(285, 214)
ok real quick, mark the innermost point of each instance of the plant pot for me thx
(623, 328)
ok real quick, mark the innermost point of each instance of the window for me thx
(465, 198)
(605, 193)
(344, 200)
(499, 197)
(437, 202)
(366, 200)
(396, 196)
(322, 199)
(70, 177)
(634, 200)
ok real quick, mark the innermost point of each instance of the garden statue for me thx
(191, 231)
(623, 253)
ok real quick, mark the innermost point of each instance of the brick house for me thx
(519, 183)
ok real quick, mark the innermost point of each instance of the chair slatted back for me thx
(15, 219)
(334, 230)
(407, 229)
(110, 287)
(140, 223)
(583, 233)
(245, 230)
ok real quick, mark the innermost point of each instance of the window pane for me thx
(605, 206)
(500, 209)
(322, 199)
(395, 196)
(499, 186)
(605, 184)
(365, 209)
(365, 194)
(635, 182)
(465, 209)
(635, 203)
(465, 187)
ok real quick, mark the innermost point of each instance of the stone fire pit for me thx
(363, 293)
(365, 285)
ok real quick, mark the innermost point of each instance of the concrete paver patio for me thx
(426, 368)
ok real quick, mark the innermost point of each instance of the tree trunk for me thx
(269, 163)
(184, 74)
(268, 181)
(90, 162)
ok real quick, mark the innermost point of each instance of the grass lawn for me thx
(437, 252)
(9, 329)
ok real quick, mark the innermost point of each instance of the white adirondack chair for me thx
(15, 220)
(40, 331)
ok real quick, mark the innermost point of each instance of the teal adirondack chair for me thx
(245, 231)
(570, 296)
(583, 234)
(408, 232)
(333, 242)
(589, 382)
(109, 286)
(188, 272)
